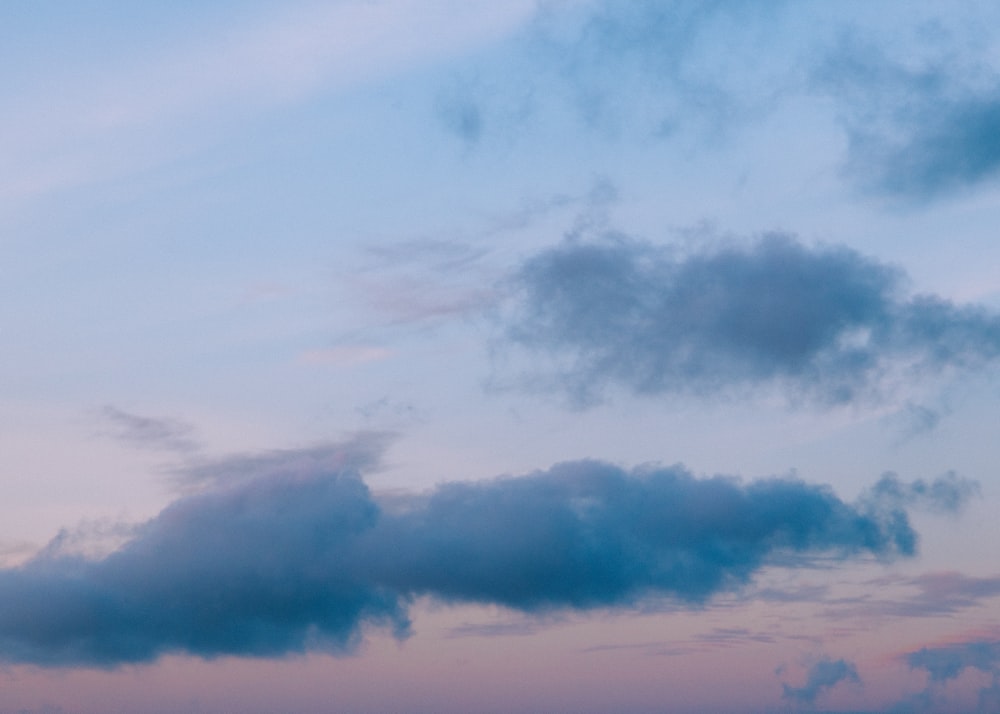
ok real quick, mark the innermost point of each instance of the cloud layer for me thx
(304, 557)
(824, 323)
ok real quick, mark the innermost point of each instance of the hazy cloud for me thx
(150, 432)
(826, 323)
(289, 551)
(646, 66)
(822, 676)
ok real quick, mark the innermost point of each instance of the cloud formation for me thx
(823, 675)
(158, 433)
(826, 323)
(916, 131)
(944, 663)
(928, 595)
(645, 67)
(297, 555)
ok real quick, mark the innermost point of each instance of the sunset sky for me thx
(451, 356)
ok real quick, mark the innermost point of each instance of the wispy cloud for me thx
(929, 595)
(649, 67)
(78, 133)
(160, 433)
(289, 551)
(826, 324)
(717, 638)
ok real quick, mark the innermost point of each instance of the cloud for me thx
(362, 452)
(949, 661)
(158, 433)
(289, 551)
(917, 130)
(944, 663)
(823, 675)
(936, 595)
(717, 638)
(644, 66)
(827, 323)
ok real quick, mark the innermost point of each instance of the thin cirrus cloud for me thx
(298, 555)
(158, 433)
(938, 594)
(827, 324)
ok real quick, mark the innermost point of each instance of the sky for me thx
(536, 356)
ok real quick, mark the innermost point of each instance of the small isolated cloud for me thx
(822, 676)
(827, 324)
(289, 551)
(158, 433)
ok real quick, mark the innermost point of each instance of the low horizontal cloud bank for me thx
(305, 557)
(825, 323)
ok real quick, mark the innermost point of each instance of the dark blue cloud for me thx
(823, 675)
(303, 557)
(917, 129)
(825, 323)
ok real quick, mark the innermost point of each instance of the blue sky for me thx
(535, 356)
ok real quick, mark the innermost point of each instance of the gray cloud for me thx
(298, 555)
(363, 452)
(822, 676)
(159, 433)
(828, 324)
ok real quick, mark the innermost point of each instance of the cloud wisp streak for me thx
(157, 433)
(946, 663)
(826, 324)
(299, 555)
